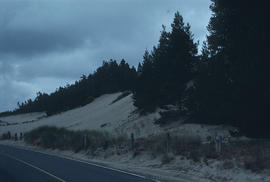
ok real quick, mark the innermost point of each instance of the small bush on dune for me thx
(88, 100)
(168, 117)
(121, 96)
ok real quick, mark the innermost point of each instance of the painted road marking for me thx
(82, 161)
(35, 167)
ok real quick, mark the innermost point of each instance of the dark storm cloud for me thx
(48, 43)
(45, 26)
(52, 26)
(27, 42)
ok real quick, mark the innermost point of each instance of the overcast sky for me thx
(45, 44)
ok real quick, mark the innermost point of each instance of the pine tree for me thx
(145, 93)
(238, 47)
(166, 71)
(176, 63)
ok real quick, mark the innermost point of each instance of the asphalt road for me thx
(20, 165)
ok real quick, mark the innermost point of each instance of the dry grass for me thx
(63, 139)
(255, 155)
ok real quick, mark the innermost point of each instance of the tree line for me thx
(227, 83)
(109, 78)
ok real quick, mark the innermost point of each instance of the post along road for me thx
(21, 165)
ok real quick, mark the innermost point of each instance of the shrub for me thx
(155, 144)
(136, 153)
(228, 164)
(21, 136)
(169, 117)
(185, 144)
(15, 137)
(166, 158)
(88, 100)
(195, 155)
(6, 136)
(208, 151)
(256, 163)
(121, 96)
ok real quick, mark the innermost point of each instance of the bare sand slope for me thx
(101, 114)
(21, 118)
(118, 118)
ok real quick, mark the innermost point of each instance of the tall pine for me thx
(166, 71)
(238, 75)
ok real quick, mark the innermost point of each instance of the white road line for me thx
(35, 167)
(81, 161)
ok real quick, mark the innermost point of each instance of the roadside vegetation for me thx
(252, 155)
(6, 136)
(63, 139)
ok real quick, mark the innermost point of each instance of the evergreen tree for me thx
(145, 93)
(234, 87)
(166, 71)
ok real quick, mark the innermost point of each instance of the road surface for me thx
(20, 165)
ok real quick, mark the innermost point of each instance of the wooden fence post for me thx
(85, 137)
(168, 142)
(132, 141)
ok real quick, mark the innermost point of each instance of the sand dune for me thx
(101, 114)
(117, 118)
